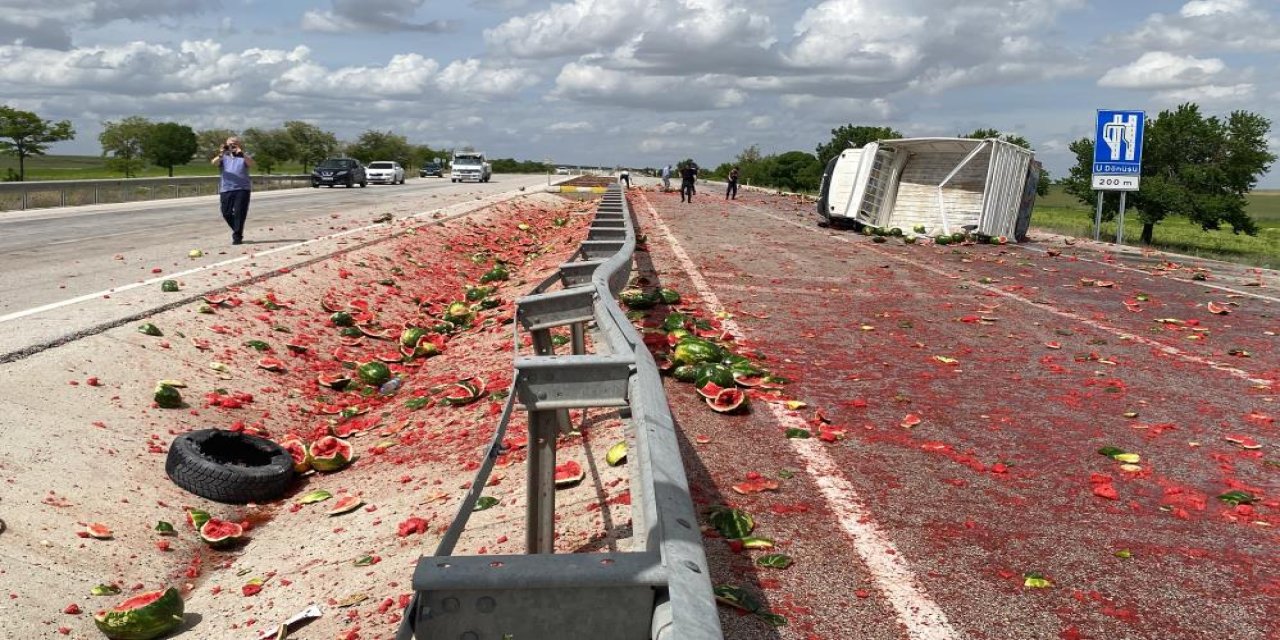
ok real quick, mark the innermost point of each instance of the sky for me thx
(638, 83)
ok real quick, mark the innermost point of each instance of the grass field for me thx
(53, 167)
(1061, 213)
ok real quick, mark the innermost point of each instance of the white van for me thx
(943, 184)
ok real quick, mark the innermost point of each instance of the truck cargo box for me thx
(943, 184)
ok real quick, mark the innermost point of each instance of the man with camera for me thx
(234, 186)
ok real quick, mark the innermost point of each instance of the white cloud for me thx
(1223, 95)
(48, 25)
(682, 36)
(594, 84)
(379, 16)
(406, 76)
(668, 128)
(572, 28)
(580, 126)
(1201, 8)
(472, 77)
(840, 109)
(1163, 70)
(1206, 25)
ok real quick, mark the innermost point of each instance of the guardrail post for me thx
(543, 346)
(24, 198)
(540, 521)
(578, 338)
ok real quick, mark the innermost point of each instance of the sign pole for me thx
(1097, 219)
(1120, 226)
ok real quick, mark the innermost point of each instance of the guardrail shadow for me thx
(612, 533)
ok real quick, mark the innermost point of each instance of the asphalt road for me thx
(972, 389)
(68, 270)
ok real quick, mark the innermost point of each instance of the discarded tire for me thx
(230, 467)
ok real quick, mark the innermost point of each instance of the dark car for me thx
(431, 169)
(336, 171)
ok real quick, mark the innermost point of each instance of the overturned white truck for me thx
(945, 185)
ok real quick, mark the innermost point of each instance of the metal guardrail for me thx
(64, 193)
(661, 590)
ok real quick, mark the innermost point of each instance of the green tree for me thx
(381, 145)
(852, 136)
(210, 141)
(24, 134)
(313, 143)
(1194, 166)
(269, 147)
(169, 144)
(122, 144)
(752, 166)
(422, 154)
(794, 171)
(1042, 187)
(511, 165)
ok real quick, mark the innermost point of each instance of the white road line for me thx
(1119, 333)
(922, 618)
(1149, 274)
(88, 238)
(93, 296)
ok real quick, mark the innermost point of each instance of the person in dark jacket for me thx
(732, 191)
(688, 178)
(233, 188)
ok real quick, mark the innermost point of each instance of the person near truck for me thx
(234, 186)
(732, 191)
(688, 180)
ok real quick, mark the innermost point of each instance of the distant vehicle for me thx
(336, 171)
(562, 171)
(431, 169)
(385, 172)
(470, 165)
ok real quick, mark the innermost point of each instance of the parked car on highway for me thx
(385, 172)
(336, 171)
(431, 169)
(562, 171)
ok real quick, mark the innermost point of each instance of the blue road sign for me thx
(1117, 150)
(1117, 147)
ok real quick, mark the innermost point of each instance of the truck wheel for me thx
(364, 183)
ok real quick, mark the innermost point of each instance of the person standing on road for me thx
(666, 179)
(233, 188)
(732, 191)
(688, 178)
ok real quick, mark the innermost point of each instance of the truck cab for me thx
(470, 165)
